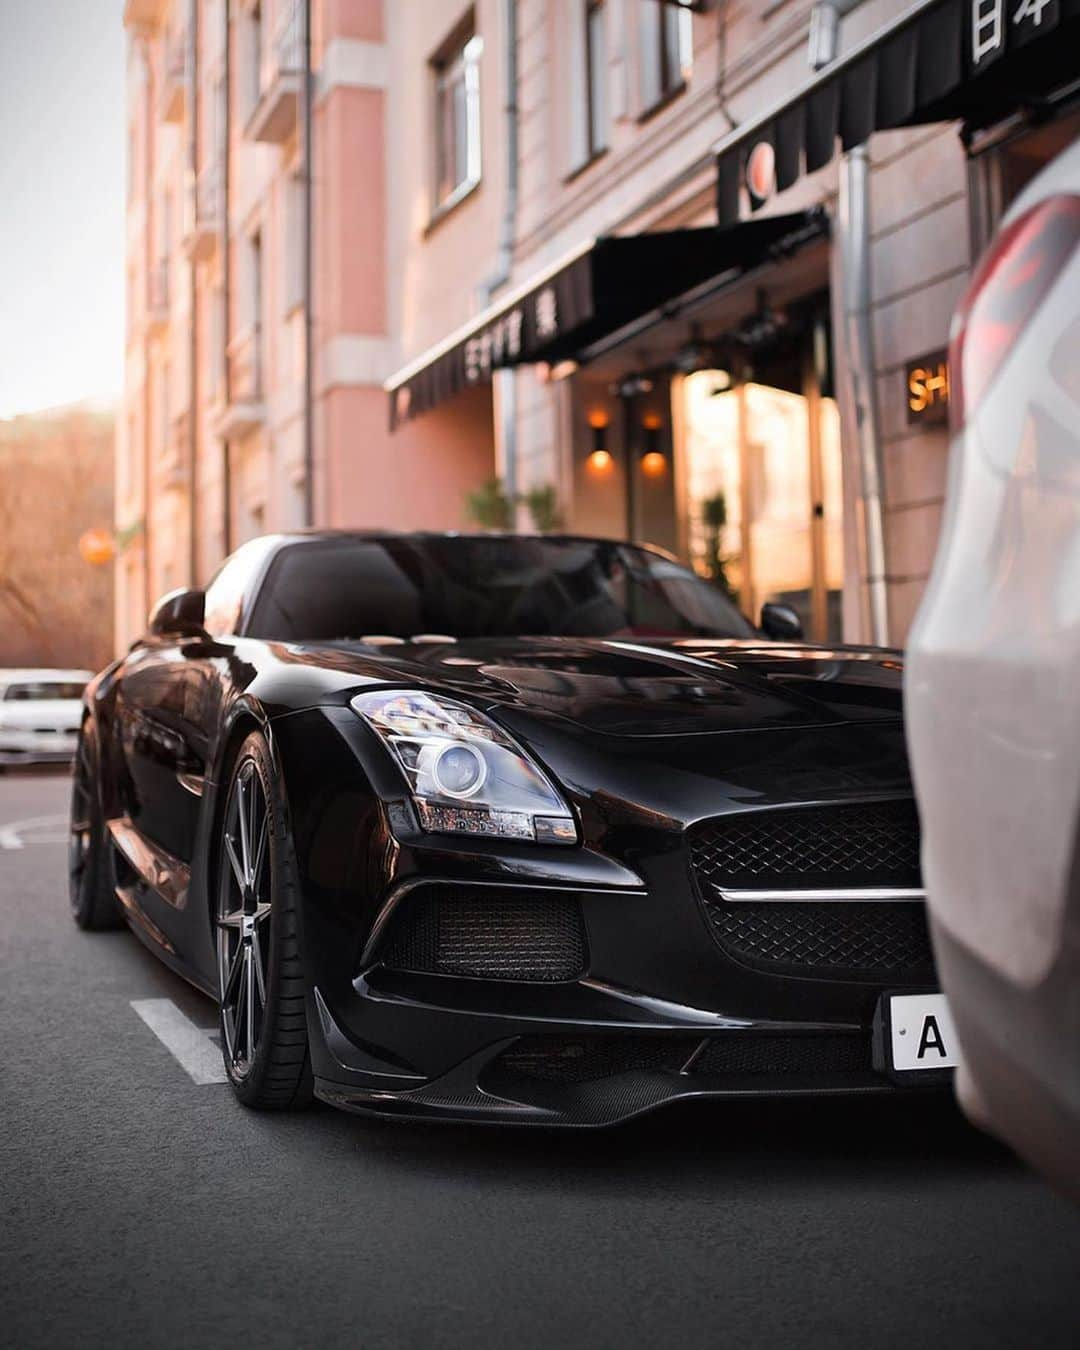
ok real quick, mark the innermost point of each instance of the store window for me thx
(456, 76)
(763, 488)
(667, 50)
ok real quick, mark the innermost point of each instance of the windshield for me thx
(40, 689)
(484, 587)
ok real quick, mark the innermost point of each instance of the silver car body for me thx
(39, 718)
(993, 720)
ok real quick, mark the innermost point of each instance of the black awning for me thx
(973, 60)
(615, 282)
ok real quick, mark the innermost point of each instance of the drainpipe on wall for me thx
(193, 337)
(506, 380)
(151, 224)
(309, 383)
(854, 217)
(226, 278)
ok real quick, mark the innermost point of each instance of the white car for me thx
(40, 712)
(993, 685)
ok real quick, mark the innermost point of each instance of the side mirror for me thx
(178, 612)
(781, 622)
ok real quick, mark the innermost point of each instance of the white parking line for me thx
(193, 1047)
(12, 831)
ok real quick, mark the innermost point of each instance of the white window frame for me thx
(458, 63)
(665, 31)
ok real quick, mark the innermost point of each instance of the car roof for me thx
(316, 534)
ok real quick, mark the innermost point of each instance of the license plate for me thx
(922, 1032)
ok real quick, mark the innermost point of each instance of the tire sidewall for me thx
(256, 751)
(84, 899)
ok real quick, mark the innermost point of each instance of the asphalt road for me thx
(138, 1208)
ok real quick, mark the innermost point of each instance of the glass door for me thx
(763, 494)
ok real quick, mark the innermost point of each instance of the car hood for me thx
(640, 688)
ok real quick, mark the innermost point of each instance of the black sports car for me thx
(504, 828)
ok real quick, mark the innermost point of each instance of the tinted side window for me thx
(26, 693)
(225, 594)
(328, 591)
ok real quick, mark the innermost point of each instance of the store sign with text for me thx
(926, 387)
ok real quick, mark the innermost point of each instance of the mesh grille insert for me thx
(590, 1059)
(850, 1053)
(491, 935)
(850, 844)
(553, 1059)
(842, 941)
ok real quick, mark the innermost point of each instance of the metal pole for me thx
(309, 382)
(193, 295)
(854, 213)
(226, 277)
(629, 407)
(506, 380)
(151, 262)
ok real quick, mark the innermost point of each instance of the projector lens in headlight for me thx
(466, 774)
(458, 770)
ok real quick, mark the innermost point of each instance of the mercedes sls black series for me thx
(513, 829)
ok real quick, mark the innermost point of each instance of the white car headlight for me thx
(466, 774)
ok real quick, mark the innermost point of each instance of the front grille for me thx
(844, 1053)
(590, 1059)
(847, 845)
(826, 940)
(489, 935)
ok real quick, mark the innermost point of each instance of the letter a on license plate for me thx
(922, 1034)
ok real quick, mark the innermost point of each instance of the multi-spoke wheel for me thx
(243, 934)
(90, 874)
(260, 981)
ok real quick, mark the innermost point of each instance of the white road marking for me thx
(193, 1047)
(11, 833)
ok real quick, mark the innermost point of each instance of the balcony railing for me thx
(174, 76)
(203, 204)
(281, 69)
(157, 295)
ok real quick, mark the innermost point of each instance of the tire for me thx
(91, 876)
(257, 933)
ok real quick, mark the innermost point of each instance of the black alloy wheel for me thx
(91, 875)
(260, 978)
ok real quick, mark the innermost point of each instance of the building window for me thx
(667, 50)
(596, 102)
(293, 254)
(161, 436)
(255, 313)
(456, 70)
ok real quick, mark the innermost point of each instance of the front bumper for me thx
(598, 1049)
(29, 747)
(580, 1070)
(659, 1011)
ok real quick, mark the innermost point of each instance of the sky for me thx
(62, 149)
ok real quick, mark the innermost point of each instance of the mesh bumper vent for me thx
(847, 845)
(489, 935)
(838, 941)
(590, 1059)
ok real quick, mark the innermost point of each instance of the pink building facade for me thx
(360, 233)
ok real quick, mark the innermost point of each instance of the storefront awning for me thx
(975, 60)
(602, 288)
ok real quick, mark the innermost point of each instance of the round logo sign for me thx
(761, 171)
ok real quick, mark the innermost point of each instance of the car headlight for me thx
(466, 774)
